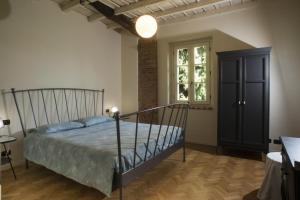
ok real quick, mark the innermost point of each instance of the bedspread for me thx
(89, 155)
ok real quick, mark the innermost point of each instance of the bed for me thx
(104, 155)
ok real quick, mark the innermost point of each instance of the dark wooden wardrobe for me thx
(243, 110)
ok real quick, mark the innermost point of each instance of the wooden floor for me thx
(203, 176)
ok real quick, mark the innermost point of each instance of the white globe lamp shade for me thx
(146, 26)
(114, 109)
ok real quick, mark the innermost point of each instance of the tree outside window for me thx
(192, 73)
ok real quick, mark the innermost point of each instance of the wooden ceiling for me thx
(165, 11)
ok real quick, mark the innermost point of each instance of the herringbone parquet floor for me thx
(203, 176)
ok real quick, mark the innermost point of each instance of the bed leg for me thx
(26, 164)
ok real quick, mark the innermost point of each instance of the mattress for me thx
(89, 155)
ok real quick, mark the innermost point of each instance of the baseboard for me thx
(202, 147)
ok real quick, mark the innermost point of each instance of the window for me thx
(191, 72)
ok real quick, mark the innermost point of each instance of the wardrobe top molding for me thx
(254, 51)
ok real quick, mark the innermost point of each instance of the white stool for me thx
(271, 186)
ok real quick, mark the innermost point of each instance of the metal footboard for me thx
(174, 118)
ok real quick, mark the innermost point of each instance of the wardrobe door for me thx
(229, 100)
(255, 100)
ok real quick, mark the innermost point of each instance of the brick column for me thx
(147, 77)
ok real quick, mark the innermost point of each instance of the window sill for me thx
(200, 107)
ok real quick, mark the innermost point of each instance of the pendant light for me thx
(146, 26)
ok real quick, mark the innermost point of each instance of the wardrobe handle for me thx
(244, 102)
(239, 102)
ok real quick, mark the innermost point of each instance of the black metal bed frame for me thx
(124, 177)
(176, 125)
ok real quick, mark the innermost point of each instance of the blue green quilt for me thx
(89, 155)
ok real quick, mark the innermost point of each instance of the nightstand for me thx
(5, 155)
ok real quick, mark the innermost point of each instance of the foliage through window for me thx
(192, 75)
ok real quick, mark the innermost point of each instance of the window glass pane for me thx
(182, 92)
(200, 73)
(182, 74)
(200, 92)
(182, 57)
(200, 54)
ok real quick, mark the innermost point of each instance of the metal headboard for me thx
(43, 106)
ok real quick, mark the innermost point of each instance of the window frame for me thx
(191, 69)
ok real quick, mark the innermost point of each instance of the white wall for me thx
(129, 73)
(284, 24)
(41, 46)
(255, 27)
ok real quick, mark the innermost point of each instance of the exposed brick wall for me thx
(147, 77)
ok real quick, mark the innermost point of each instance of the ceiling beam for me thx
(66, 6)
(95, 16)
(192, 6)
(134, 6)
(212, 12)
(113, 26)
(109, 13)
